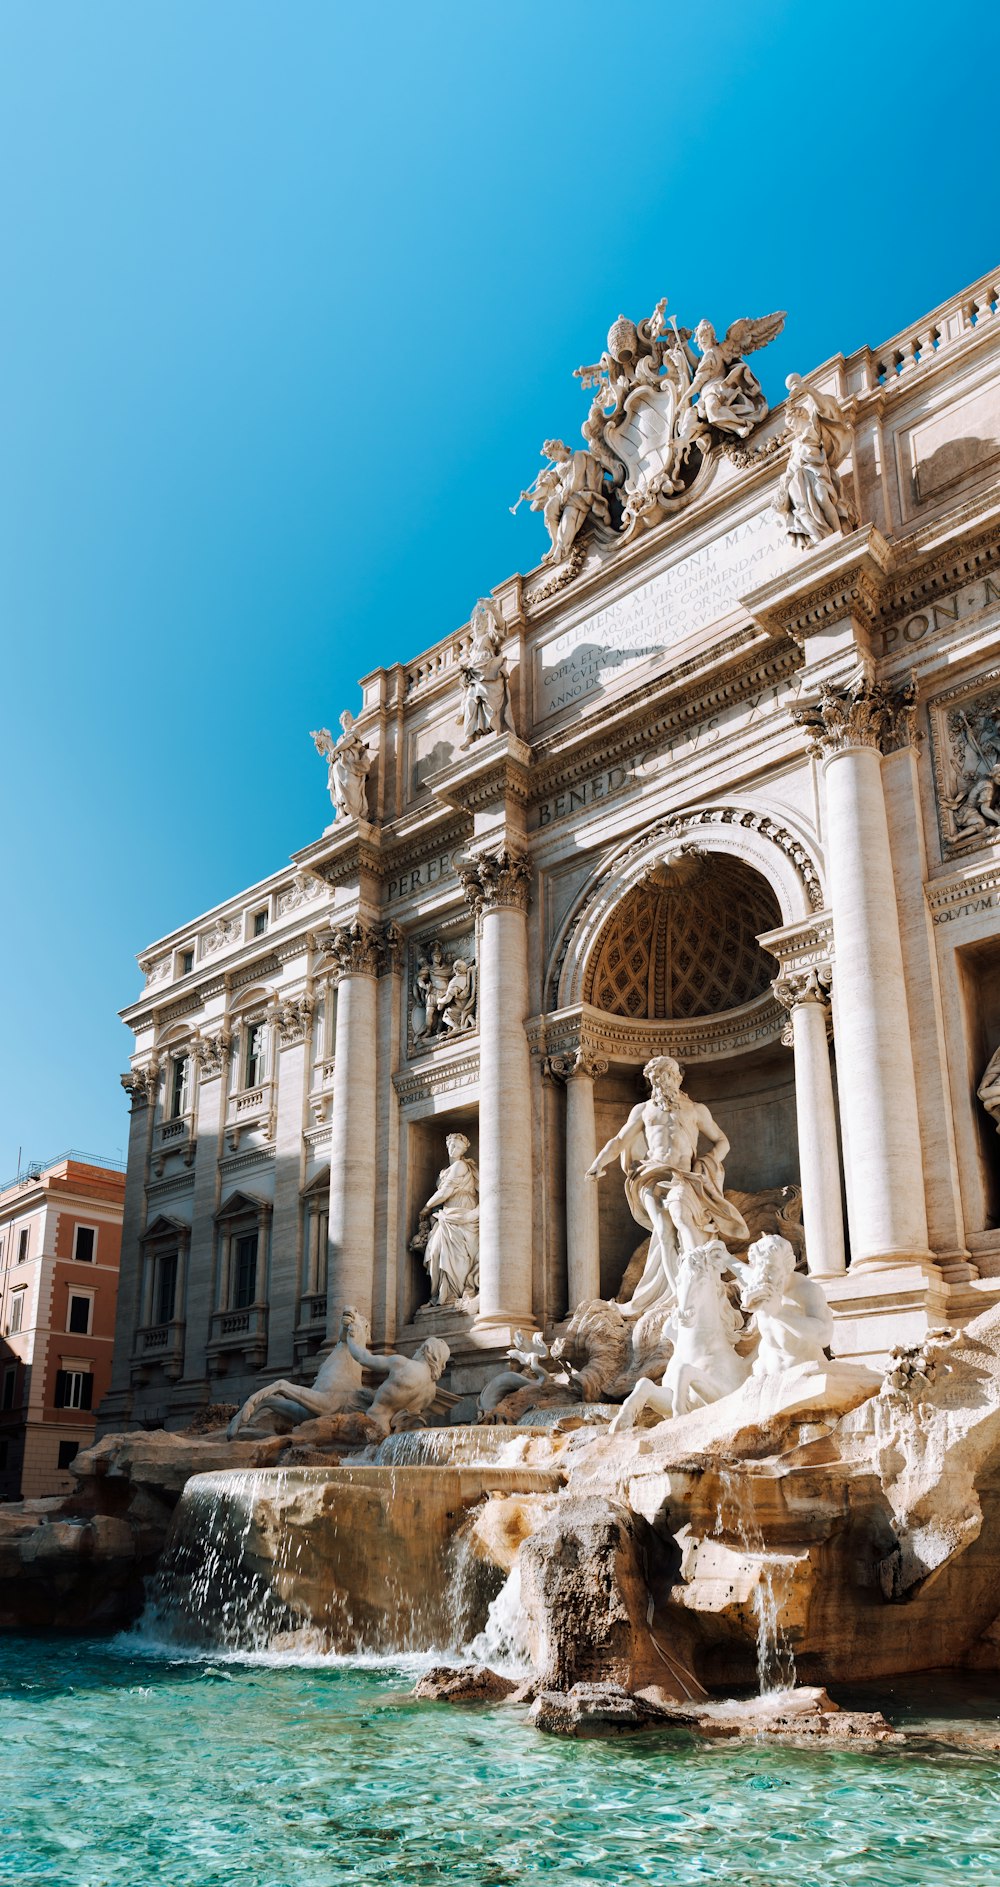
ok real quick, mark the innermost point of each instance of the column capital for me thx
(580, 1061)
(362, 949)
(796, 988)
(497, 880)
(140, 1084)
(864, 714)
(211, 1053)
(291, 1018)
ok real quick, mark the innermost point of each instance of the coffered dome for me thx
(683, 943)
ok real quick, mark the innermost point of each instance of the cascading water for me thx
(735, 1517)
(369, 1559)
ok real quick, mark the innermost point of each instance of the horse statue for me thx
(705, 1329)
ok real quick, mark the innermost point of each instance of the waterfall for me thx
(735, 1516)
(207, 1590)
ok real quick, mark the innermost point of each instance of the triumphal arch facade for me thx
(718, 780)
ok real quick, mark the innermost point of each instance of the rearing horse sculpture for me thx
(705, 1329)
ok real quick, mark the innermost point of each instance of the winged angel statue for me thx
(663, 398)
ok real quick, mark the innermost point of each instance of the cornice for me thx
(975, 882)
(557, 1038)
(440, 1077)
(844, 576)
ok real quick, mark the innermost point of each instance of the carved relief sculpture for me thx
(348, 765)
(989, 1088)
(672, 1154)
(973, 767)
(486, 708)
(448, 1234)
(809, 503)
(444, 995)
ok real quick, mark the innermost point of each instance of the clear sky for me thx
(293, 291)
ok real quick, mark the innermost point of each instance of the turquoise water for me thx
(120, 1766)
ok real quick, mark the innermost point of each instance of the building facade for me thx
(719, 779)
(60, 1246)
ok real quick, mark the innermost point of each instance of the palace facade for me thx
(720, 779)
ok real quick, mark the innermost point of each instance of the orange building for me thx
(60, 1245)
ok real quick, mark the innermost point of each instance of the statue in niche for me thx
(448, 1232)
(486, 709)
(348, 765)
(974, 741)
(790, 1311)
(989, 1088)
(569, 491)
(673, 1155)
(809, 503)
(444, 996)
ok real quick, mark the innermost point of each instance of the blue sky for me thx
(292, 294)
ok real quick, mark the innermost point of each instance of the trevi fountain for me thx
(555, 1425)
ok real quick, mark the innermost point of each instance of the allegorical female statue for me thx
(448, 1234)
(348, 766)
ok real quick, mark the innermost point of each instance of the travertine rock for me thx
(466, 1684)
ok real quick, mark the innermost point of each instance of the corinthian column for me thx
(359, 955)
(805, 994)
(885, 1188)
(583, 1241)
(497, 887)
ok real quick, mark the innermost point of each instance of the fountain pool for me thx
(122, 1762)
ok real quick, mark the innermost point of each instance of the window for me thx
(79, 1314)
(9, 1387)
(179, 1085)
(68, 1451)
(74, 1389)
(259, 923)
(187, 962)
(22, 1244)
(84, 1244)
(244, 1290)
(253, 1067)
(16, 1312)
(165, 1292)
(319, 1222)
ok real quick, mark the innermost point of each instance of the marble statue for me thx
(705, 1327)
(661, 404)
(809, 503)
(348, 766)
(790, 1311)
(486, 709)
(409, 1384)
(724, 393)
(569, 492)
(336, 1390)
(448, 1234)
(530, 1360)
(672, 1153)
(988, 1090)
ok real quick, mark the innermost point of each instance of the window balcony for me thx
(159, 1346)
(250, 1107)
(238, 1333)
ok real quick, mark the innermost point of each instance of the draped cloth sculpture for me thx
(809, 503)
(486, 708)
(672, 1153)
(348, 765)
(448, 1234)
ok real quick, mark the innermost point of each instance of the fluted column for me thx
(885, 1188)
(497, 887)
(140, 1085)
(358, 953)
(805, 994)
(583, 1238)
